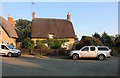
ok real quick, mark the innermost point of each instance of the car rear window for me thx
(102, 49)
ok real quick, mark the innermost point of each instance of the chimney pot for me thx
(11, 20)
(33, 15)
(68, 16)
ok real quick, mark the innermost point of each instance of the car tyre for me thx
(75, 57)
(9, 54)
(18, 54)
(101, 57)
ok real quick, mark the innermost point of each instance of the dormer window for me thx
(50, 36)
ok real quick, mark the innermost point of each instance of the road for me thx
(32, 66)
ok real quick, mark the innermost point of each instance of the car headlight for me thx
(13, 50)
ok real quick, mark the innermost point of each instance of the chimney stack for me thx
(33, 15)
(68, 16)
(11, 20)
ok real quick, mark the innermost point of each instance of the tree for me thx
(23, 28)
(117, 43)
(106, 40)
(96, 35)
(88, 41)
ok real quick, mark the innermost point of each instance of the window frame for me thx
(5, 48)
(84, 48)
(91, 49)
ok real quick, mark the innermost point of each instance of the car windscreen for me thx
(10, 46)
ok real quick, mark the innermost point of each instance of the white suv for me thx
(100, 52)
(9, 50)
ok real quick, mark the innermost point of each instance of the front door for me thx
(84, 52)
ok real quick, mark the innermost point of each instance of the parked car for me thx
(100, 52)
(9, 50)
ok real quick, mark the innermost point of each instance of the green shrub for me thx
(27, 43)
(40, 45)
(54, 43)
(88, 41)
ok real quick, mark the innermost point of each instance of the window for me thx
(64, 45)
(10, 46)
(102, 49)
(4, 47)
(50, 36)
(85, 49)
(92, 48)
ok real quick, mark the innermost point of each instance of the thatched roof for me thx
(61, 28)
(9, 29)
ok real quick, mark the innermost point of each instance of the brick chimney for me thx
(33, 15)
(11, 20)
(68, 16)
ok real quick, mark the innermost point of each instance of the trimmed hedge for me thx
(45, 52)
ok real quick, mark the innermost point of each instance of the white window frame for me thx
(50, 36)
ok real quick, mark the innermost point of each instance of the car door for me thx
(4, 50)
(92, 52)
(84, 52)
(0, 50)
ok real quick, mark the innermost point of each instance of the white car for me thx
(9, 50)
(100, 52)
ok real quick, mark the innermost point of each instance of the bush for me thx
(40, 45)
(54, 43)
(88, 41)
(27, 43)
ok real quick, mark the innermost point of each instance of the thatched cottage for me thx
(8, 34)
(44, 28)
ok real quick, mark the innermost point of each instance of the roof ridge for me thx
(52, 18)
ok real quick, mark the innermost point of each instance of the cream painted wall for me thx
(69, 43)
(35, 39)
(4, 38)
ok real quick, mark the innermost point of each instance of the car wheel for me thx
(101, 57)
(9, 55)
(18, 54)
(75, 56)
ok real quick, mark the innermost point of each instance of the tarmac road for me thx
(32, 66)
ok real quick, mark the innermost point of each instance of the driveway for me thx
(34, 66)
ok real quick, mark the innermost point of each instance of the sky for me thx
(86, 17)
